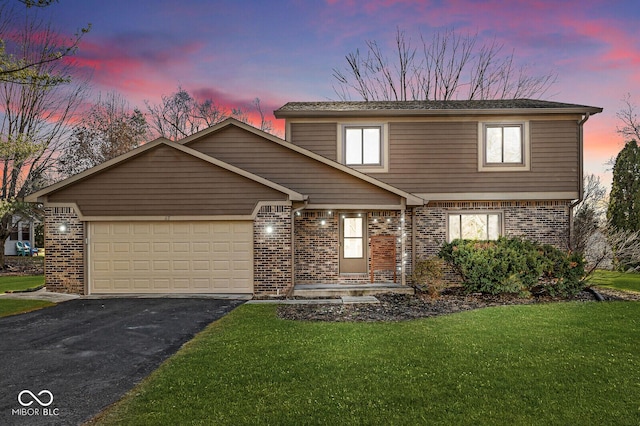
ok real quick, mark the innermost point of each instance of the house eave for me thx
(432, 113)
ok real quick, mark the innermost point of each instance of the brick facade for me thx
(64, 262)
(272, 250)
(317, 239)
(546, 222)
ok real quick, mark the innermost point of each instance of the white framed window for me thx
(474, 226)
(503, 146)
(363, 146)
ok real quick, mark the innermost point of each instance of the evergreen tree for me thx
(624, 202)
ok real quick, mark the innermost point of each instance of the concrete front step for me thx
(339, 290)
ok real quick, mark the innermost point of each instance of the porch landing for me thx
(339, 290)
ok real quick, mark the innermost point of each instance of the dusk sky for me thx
(280, 51)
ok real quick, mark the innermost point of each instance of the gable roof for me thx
(40, 196)
(411, 199)
(430, 108)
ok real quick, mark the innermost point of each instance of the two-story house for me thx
(353, 195)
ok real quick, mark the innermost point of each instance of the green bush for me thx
(514, 265)
(562, 272)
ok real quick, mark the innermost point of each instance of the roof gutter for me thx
(429, 112)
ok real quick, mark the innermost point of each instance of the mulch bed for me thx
(21, 265)
(399, 307)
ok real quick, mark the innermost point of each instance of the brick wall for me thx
(317, 237)
(316, 251)
(272, 250)
(544, 221)
(64, 261)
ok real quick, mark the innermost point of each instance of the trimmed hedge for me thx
(514, 265)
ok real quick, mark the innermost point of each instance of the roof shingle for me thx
(428, 107)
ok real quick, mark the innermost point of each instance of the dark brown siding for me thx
(320, 138)
(432, 157)
(166, 182)
(322, 183)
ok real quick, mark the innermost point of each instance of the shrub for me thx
(514, 265)
(562, 272)
(427, 275)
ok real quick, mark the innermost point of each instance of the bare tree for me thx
(589, 214)
(36, 109)
(613, 248)
(630, 125)
(179, 115)
(448, 66)
(265, 125)
(108, 129)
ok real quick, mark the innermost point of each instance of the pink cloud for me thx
(136, 68)
(619, 49)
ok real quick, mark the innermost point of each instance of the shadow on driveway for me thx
(88, 353)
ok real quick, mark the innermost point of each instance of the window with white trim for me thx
(474, 226)
(362, 145)
(503, 146)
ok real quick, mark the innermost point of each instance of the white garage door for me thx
(171, 257)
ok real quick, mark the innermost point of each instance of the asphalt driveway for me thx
(88, 353)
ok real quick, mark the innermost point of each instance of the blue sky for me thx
(279, 51)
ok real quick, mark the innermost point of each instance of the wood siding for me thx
(320, 138)
(164, 181)
(322, 183)
(442, 157)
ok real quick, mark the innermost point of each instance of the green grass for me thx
(616, 280)
(562, 364)
(19, 306)
(17, 283)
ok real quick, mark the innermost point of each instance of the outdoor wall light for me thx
(323, 222)
(269, 229)
(63, 227)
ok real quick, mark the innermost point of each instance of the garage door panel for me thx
(180, 283)
(140, 284)
(200, 247)
(161, 266)
(161, 247)
(180, 257)
(142, 229)
(120, 229)
(162, 284)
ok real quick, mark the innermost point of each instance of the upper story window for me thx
(503, 146)
(363, 146)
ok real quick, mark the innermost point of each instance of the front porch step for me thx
(339, 290)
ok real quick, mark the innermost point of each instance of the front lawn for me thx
(616, 280)
(19, 306)
(563, 363)
(20, 283)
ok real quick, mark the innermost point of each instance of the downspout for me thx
(403, 244)
(293, 246)
(580, 171)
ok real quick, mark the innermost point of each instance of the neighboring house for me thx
(23, 231)
(357, 192)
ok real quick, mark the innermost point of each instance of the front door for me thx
(353, 244)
